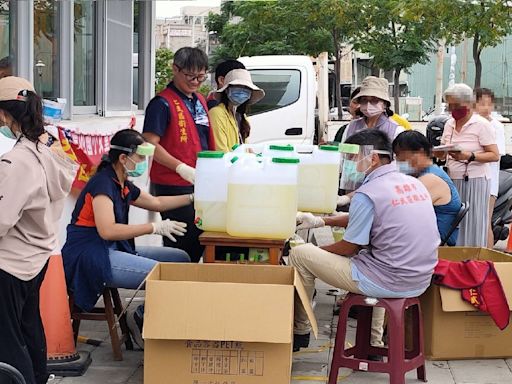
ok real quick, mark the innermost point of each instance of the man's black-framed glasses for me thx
(191, 76)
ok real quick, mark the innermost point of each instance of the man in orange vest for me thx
(176, 122)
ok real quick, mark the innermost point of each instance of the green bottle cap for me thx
(287, 147)
(329, 147)
(211, 154)
(281, 160)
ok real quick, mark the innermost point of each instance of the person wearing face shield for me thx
(414, 157)
(373, 100)
(99, 249)
(386, 250)
(474, 139)
(229, 122)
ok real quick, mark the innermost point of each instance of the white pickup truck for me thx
(287, 112)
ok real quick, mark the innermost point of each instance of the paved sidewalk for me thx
(310, 366)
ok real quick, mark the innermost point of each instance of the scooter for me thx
(502, 213)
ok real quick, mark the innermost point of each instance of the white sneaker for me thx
(133, 327)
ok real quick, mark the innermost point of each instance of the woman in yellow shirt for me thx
(228, 119)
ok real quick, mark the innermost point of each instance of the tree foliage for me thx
(395, 37)
(282, 27)
(397, 34)
(163, 68)
(487, 22)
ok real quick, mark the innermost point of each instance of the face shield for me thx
(145, 149)
(356, 161)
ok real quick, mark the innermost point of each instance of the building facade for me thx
(188, 29)
(98, 55)
(496, 74)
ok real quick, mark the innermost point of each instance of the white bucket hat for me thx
(374, 87)
(241, 77)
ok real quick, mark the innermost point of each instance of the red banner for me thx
(85, 149)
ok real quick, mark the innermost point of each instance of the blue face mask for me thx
(405, 168)
(238, 96)
(6, 131)
(139, 170)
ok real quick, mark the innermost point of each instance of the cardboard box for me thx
(220, 324)
(454, 329)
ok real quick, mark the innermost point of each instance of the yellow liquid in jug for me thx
(318, 187)
(212, 215)
(261, 211)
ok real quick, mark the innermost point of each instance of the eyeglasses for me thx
(191, 77)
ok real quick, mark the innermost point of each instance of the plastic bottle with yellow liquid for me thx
(211, 191)
(262, 197)
(318, 179)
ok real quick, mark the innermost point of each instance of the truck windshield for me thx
(281, 86)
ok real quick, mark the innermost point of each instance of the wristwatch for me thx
(472, 157)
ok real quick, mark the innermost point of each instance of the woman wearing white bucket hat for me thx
(228, 120)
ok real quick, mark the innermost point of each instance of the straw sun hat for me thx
(241, 77)
(376, 87)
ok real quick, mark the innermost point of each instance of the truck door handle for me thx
(293, 132)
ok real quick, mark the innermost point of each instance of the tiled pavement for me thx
(310, 366)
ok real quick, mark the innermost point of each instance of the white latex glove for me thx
(169, 228)
(186, 172)
(306, 220)
(343, 200)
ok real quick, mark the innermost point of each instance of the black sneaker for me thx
(134, 322)
(300, 341)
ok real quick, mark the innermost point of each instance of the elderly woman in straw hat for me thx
(374, 103)
(373, 100)
(474, 147)
(228, 120)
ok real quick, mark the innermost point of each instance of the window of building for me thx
(84, 87)
(46, 48)
(282, 88)
(7, 39)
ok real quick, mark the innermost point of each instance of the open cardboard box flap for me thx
(451, 299)
(198, 302)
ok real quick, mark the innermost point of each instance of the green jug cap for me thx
(329, 147)
(281, 160)
(235, 147)
(234, 159)
(287, 147)
(211, 154)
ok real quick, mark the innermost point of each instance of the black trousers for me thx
(22, 339)
(190, 242)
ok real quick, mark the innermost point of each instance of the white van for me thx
(287, 112)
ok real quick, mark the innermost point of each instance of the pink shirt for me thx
(474, 135)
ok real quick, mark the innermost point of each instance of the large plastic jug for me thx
(318, 179)
(211, 191)
(262, 197)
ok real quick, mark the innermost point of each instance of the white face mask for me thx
(370, 110)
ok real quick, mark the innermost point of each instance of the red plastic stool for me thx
(399, 360)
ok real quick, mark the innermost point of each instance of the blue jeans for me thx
(128, 271)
